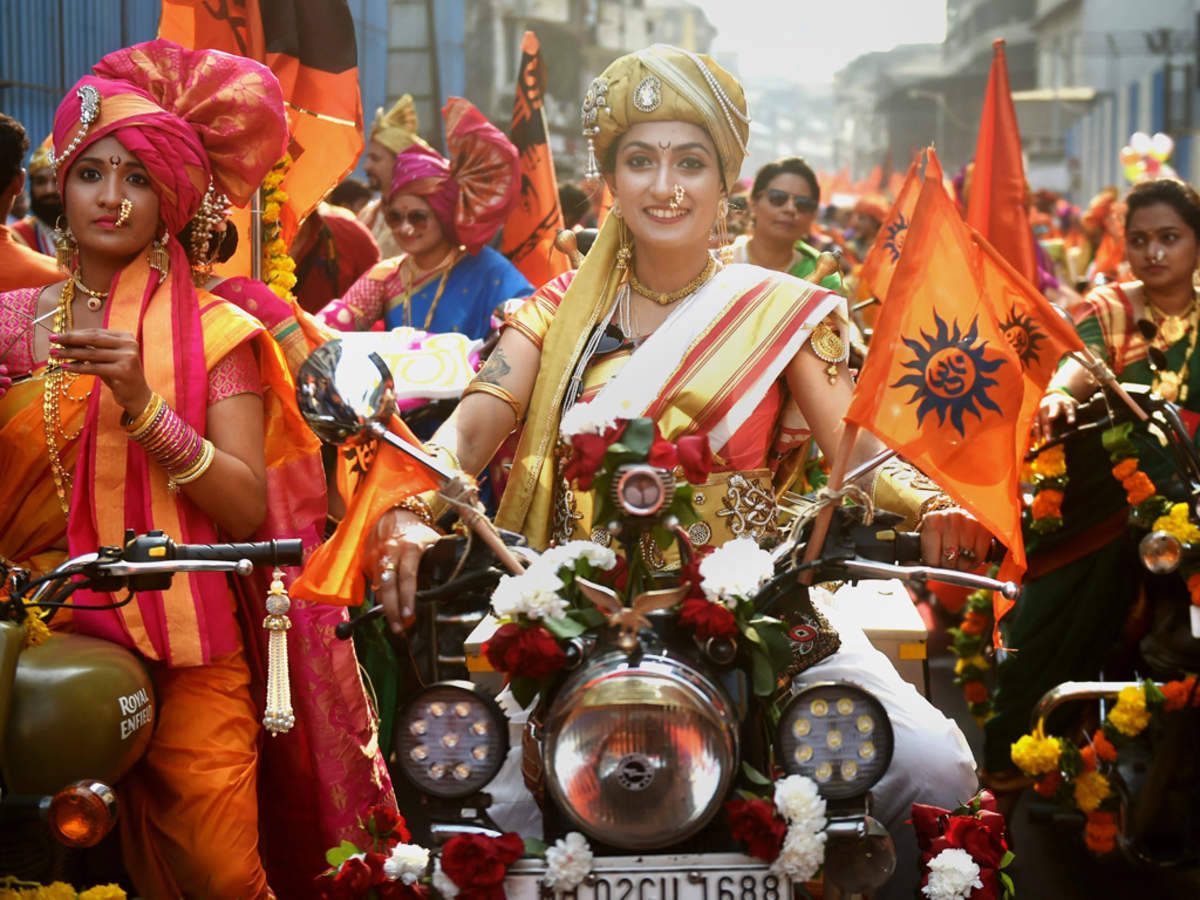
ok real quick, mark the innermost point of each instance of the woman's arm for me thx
(360, 307)
(233, 492)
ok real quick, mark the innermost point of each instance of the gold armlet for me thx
(933, 504)
(494, 390)
(901, 488)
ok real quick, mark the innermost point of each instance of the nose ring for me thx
(126, 210)
(677, 197)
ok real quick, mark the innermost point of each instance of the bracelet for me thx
(933, 504)
(1062, 389)
(494, 390)
(140, 424)
(418, 508)
(196, 469)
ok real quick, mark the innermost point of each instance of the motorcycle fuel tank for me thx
(80, 708)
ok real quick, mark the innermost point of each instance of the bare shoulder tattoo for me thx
(495, 368)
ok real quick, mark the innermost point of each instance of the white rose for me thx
(953, 875)
(568, 862)
(735, 571)
(407, 863)
(802, 854)
(585, 418)
(800, 803)
(442, 883)
(534, 593)
(600, 557)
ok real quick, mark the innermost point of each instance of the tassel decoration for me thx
(278, 717)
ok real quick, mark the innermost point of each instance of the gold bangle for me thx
(418, 507)
(141, 423)
(494, 390)
(197, 469)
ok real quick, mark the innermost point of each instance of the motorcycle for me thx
(642, 736)
(1155, 776)
(78, 712)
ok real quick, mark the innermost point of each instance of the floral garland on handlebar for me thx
(1082, 777)
(471, 866)
(964, 852)
(1047, 472)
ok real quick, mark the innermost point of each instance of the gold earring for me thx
(158, 258)
(615, 209)
(64, 246)
(721, 226)
(624, 251)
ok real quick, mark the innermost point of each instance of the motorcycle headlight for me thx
(451, 739)
(640, 755)
(836, 734)
(1160, 552)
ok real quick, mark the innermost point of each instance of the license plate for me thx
(694, 876)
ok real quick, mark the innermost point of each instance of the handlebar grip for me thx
(908, 548)
(289, 552)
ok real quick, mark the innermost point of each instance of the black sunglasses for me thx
(803, 204)
(417, 218)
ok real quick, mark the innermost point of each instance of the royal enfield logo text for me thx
(137, 711)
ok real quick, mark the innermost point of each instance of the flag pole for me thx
(837, 477)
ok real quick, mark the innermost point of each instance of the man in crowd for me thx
(19, 266)
(391, 132)
(37, 230)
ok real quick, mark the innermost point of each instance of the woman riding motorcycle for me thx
(669, 128)
(1084, 579)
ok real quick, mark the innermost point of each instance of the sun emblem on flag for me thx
(895, 236)
(950, 374)
(1023, 336)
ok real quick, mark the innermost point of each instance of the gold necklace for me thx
(95, 298)
(1172, 386)
(55, 385)
(406, 297)
(666, 298)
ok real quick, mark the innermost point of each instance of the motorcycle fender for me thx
(81, 707)
(12, 636)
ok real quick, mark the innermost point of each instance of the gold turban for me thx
(41, 156)
(397, 128)
(667, 84)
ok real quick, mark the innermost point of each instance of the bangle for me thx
(418, 508)
(144, 421)
(196, 469)
(1062, 389)
(494, 390)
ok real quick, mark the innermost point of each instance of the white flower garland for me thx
(568, 862)
(586, 418)
(953, 875)
(537, 592)
(801, 804)
(735, 571)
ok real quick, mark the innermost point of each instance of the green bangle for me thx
(1059, 389)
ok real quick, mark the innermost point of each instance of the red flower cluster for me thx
(690, 452)
(755, 823)
(478, 864)
(707, 619)
(524, 652)
(587, 454)
(982, 834)
(359, 875)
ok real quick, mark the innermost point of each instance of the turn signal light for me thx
(83, 813)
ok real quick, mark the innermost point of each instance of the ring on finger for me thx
(388, 575)
(966, 553)
(950, 554)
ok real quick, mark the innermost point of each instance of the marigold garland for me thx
(1047, 472)
(971, 643)
(11, 888)
(278, 268)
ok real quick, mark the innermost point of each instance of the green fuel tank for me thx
(78, 707)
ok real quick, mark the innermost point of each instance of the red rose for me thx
(354, 876)
(587, 454)
(385, 822)
(329, 888)
(985, 845)
(398, 890)
(524, 652)
(695, 456)
(662, 452)
(475, 861)
(707, 619)
(690, 571)
(927, 821)
(754, 823)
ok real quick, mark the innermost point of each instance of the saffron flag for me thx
(961, 356)
(877, 268)
(310, 46)
(996, 207)
(529, 233)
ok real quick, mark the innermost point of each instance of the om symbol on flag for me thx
(1023, 336)
(895, 236)
(950, 374)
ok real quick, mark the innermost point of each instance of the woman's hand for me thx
(954, 539)
(113, 356)
(392, 555)
(1054, 406)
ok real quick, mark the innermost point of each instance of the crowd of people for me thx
(162, 396)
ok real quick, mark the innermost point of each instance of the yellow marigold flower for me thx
(1178, 523)
(282, 293)
(277, 248)
(37, 632)
(280, 197)
(1051, 462)
(270, 212)
(56, 891)
(1090, 790)
(966, 662)
(286, 263)
(1130, 716)
(103, 892)
(1036, 754)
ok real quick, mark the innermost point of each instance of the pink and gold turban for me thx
(474, 191)
(188, 115)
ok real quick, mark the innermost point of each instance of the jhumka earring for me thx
(624, 251)
(721, 225)
(158, 258)
(214, 209)
(615, 209)
(64, 246)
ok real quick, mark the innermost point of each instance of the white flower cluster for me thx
(586, 418)
(735, 571)
(568, 862)
(537, 592)
(802, 805)
(953, 875)
(407, 863)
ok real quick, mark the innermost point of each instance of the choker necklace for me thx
(95, 298)
(665, 298)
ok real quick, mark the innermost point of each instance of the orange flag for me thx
(962, 353)
(996, 207)
(881, 259)
(310, 46)
(529, 233)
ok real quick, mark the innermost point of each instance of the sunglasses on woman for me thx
(417, 218)
(803, 203)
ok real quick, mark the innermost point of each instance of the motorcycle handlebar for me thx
(289, 552)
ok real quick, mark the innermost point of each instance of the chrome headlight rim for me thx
(706, 691)
(885, 740)
(496, 739)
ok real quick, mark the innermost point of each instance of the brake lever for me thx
(859, 568)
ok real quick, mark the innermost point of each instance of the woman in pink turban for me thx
(154, 405)
(443, 212)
